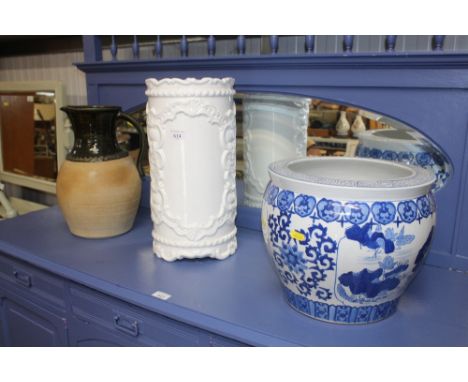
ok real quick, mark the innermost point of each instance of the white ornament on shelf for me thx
(342, 126)
(275, 127)
(358, 126)
(192, 151)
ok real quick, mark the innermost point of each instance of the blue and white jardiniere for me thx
(347, 235)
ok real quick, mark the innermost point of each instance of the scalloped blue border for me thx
(341, 313)
(356, 212)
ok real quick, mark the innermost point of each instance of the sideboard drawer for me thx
(146, 328)
(31, 281)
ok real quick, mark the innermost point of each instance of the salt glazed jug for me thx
(98, 185)
(192, 151)
(274, 128)
(347, 235)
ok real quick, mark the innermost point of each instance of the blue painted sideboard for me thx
(57, 289)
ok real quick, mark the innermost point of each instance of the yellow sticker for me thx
(297, 235)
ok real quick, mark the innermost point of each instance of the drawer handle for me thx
(126, 325)
(22, 278)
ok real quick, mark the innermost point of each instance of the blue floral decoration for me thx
(329, 210)
(390, 155)
(273, 225)
(362, 151)
(375, 153)
(424, 159)
(293, 258)
(321, 310)
(424, 206)
(342, 313)
(304, 266)
(284, 220)
(304, 205)
(408, 211)
(284, 199)
(356, 212)
(383, 212)
(271, 193)
(405, 157)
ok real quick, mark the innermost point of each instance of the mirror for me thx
(272, 127)
(31, 133)
(276, 127)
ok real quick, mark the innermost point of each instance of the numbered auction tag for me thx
(161, 295)
(177, 135)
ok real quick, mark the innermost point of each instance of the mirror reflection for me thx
(272, 127)
(28, 133)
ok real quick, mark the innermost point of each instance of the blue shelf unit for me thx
(425, 90)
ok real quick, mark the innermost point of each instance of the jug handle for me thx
(141, 133)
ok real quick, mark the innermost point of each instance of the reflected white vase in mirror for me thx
(274, 127)
(192, 151)
(342, 126)
(358, 126)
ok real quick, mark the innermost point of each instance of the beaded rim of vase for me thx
(295, 100)
(91, 108)
(179, 87)
(413, 179)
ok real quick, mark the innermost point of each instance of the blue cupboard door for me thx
(26, 324)
(2, 326)
(90, 335)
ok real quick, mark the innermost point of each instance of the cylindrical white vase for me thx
(192, 141)
(275, 127)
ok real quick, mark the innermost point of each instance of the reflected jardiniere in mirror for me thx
(334, 129)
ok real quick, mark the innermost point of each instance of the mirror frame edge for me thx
(58, 88)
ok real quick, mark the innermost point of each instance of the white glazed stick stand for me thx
(192, 142)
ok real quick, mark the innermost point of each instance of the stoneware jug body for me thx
(98, 185)
(347, 235)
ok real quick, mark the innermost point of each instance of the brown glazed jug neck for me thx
(94, 128)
